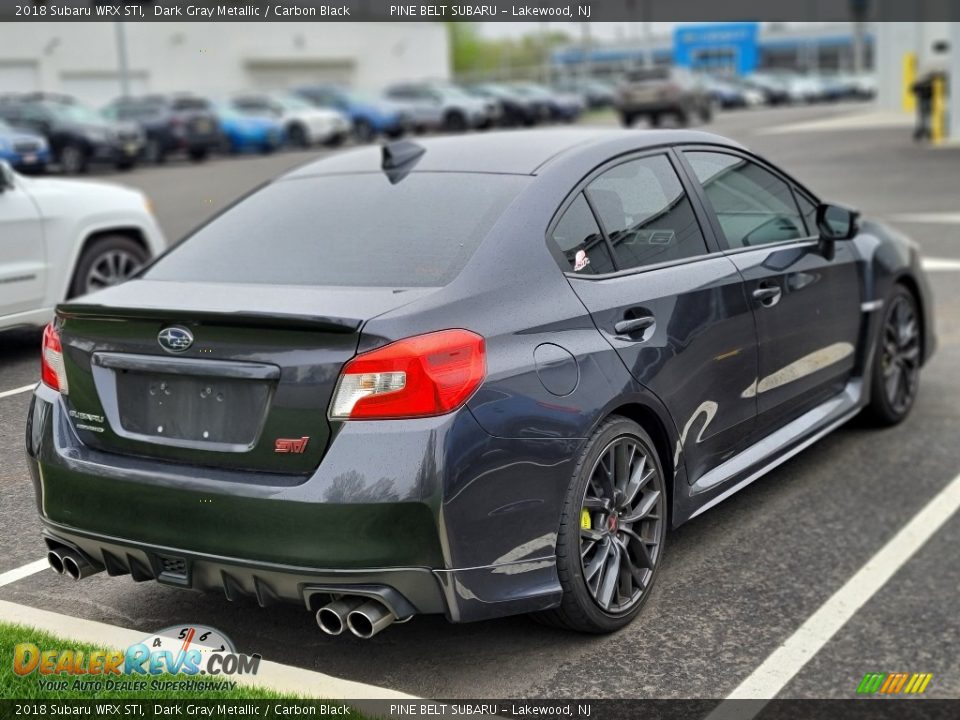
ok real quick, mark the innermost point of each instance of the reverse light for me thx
(52, 371)
(420, 376)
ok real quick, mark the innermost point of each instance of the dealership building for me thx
(81, 58)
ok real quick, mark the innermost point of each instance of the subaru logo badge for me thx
(175, 339)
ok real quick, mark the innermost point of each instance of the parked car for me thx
(659, 91)
(804, 88)
(773, 88)
(516, 415)
(562, 107)
(22, 150)
(63, 238)
(371, 116)
(596, 94)
(304, 123)
(443, 106)
(78, 136)
(728, 94)
(514, 108)
(172, 124)
(248, 131)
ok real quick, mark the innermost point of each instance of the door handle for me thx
(634, 325)
(768, 295)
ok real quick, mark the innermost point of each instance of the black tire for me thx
(74, 159)
(125, 165)
(118, 251)
(895, 377)
(706, 113)
(455, 122)
(363, 131)
(336, 140)
(627, 119)
(297, 135)
(580, 609)
(199, 154)
(682, 117)
(655, 120)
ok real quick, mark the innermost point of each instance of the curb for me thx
(281, 678)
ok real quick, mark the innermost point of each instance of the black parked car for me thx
(78, 135)
(475, 376)
(515, 109)
(172, 124)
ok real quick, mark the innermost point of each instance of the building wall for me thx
(217, 58)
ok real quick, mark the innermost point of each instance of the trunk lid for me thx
(249, 391)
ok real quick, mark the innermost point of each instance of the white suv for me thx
(62, 238)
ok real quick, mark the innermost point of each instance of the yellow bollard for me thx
(938, 111)
(909, 76)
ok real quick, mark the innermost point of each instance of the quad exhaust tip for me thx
(332, 618)
(369, 619)
(363, 616)
(68, 562)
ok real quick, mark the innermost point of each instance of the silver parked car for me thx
(440, 106)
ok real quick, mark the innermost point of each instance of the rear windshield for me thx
(348, 230)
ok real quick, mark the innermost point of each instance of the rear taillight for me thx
(420, 376)
(51, 360)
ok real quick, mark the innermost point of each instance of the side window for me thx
(753, 205)
(581, 241)
(808, 209)
(646, 213)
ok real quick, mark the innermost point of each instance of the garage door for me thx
(272, 75)
(100, 88)
(18, 77)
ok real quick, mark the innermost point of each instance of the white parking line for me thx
(940, 264)
(19, 573)
(17, 391)
(938, 218)
(786, 661)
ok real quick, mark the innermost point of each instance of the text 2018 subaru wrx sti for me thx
(474, 376)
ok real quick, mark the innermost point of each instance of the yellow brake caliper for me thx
(585, 522)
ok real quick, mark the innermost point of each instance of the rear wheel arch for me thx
(907, 281)
(648, 418)
(134, 234)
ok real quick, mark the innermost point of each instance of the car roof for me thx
(517, 152)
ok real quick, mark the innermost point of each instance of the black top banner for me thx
(452, 11)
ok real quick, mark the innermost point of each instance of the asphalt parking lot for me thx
(736, 582)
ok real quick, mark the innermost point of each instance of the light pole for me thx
(122, 66)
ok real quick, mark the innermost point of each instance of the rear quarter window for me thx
(347, 230)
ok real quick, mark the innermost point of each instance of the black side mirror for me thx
(836, 222)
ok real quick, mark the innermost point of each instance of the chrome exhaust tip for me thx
(56, 562)
(76, 565)
(332, 617)
(369, 619)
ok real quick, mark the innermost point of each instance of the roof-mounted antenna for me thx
(399, 158)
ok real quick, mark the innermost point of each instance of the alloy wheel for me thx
(900, 359)
(111, 268)
(621, 525)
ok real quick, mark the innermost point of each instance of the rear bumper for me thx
(469, 533)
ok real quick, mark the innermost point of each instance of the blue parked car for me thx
(23, 150)
(243, 132)
(371, 116)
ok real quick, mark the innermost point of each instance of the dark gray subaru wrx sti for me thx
(476, 376)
